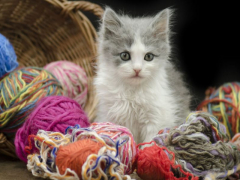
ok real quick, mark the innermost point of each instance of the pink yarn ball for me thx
(53, 113)
(73, 79)
(127, 152)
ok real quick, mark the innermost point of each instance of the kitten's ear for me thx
(161, 22)
(111, 22)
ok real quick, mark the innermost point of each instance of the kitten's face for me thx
(135, 49)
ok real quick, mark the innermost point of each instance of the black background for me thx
(206, 40)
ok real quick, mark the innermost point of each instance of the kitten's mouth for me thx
(136, 77)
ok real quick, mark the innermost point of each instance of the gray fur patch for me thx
(117, 34)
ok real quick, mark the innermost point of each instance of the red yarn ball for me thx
(153, 163)
(53, 113)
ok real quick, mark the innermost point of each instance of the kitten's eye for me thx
(125, 56)
(149, 57)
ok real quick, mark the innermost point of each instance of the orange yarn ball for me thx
(74, 155)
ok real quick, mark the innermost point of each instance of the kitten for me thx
(137, 86)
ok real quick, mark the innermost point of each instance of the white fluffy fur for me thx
(144, 104)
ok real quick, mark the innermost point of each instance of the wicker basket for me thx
(43, 31)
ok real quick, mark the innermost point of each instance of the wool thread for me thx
(19, 93)
(52, 113)
(201, 146)
(74, 155)
(105, 164)
(222, 175)
(127, 152)
(224, 104)
(73, 79)
(8, 58)
(162, 166)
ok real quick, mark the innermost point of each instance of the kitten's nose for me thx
(137, 71)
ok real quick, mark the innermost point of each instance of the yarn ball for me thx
(127, 152)
(224, 103)
(53, 113)
(19, 92)
(72, 78)
(80, 153)
(197, 148)
(75, 154)
(157, 161)
(8, 58)
(236, 140)
(217, 175)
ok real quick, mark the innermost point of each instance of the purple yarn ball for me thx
(53, 113)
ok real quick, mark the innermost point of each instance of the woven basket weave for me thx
(43, 31)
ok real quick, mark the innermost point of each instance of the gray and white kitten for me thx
(137, 86)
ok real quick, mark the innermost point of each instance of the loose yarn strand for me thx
(51, 144)
(52, 113)
(198, 148)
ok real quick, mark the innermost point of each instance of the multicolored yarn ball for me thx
(127, 152)
(197, 148)
(81, 153)
(53, 113)
(8, 58)
(73, 79)
(224, 103)
(19, 92)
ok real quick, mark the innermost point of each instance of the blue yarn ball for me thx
(8, 58)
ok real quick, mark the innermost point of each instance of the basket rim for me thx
(74, 10)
